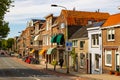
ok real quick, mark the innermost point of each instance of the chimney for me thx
(74, 9)
(98, 10)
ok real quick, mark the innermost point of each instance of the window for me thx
(82, 44)
(82, 60)
(108, 57)
(90, 22)
(111, 34)
(74, 43)
(47, 25)
(96, 61)
(62, 25)
(95, 40)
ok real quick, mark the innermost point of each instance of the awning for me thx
(42, 51)
(60, 38)
(36, 38)
(53, 39)
(32, 51)
(50, 50)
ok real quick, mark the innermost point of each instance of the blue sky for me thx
(25, 10)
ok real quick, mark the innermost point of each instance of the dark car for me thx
(2, 53)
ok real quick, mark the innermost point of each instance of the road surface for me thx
(13, 70)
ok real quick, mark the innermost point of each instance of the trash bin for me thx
(117, 68)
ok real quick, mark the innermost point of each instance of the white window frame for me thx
(74, 43)
(108, 64)
(96, 40)
(110, 31)
(47, 25)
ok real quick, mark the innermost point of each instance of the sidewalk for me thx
(88, 76)
(77, 74)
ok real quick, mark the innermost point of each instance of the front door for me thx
(90, 63)
(117, 62)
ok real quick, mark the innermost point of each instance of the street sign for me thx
(68, 46)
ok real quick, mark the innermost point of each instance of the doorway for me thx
(117, 62)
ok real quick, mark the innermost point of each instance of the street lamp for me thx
(119, 7)
(66, 33)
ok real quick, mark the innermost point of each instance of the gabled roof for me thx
(112, 20)
(85, 14)
(72, 15)
(83, 33)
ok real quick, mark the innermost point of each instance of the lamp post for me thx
(66, 33)
(119, 8)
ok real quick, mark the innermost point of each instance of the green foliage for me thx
(3, 44)
(73, 54)
(4, 26)
(10, 42)
(4, 30)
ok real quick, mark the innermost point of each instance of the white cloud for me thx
(28, 9)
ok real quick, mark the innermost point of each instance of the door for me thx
(90, 63)
(117, 62)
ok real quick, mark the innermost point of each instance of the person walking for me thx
(61, 62)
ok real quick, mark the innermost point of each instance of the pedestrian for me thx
(61, 62)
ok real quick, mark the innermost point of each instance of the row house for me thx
(48, 51)
(47, 38)
(74, 20)
(95, 48)
(111, 43)
(85, 42)
(37, 41)
(25, 40)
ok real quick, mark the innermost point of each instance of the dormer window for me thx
(90, 21)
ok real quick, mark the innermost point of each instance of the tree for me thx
(10, 43)
(4, 26)
(73, 55)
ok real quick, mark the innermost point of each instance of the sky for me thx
(25, 10)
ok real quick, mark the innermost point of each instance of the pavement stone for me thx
(75, 75)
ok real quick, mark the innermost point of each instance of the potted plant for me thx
(117, 71)
(111, 72)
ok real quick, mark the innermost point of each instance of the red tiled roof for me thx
(86, 14)
(74, 15)
(112, 20)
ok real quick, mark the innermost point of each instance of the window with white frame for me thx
(45, 39)
(74, 43)
(111, 34)
(97, 61)
(108, 57)
(95, 40)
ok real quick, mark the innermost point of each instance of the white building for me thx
(95, 48)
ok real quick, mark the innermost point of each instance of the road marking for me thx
(36, 78)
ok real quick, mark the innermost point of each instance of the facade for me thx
(49, 39)
(74, 20)
(37, 42)
(111, 43)
(95, 48)
(80, 43)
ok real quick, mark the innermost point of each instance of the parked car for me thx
(2, 53)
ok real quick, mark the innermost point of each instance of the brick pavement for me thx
(74, 75)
